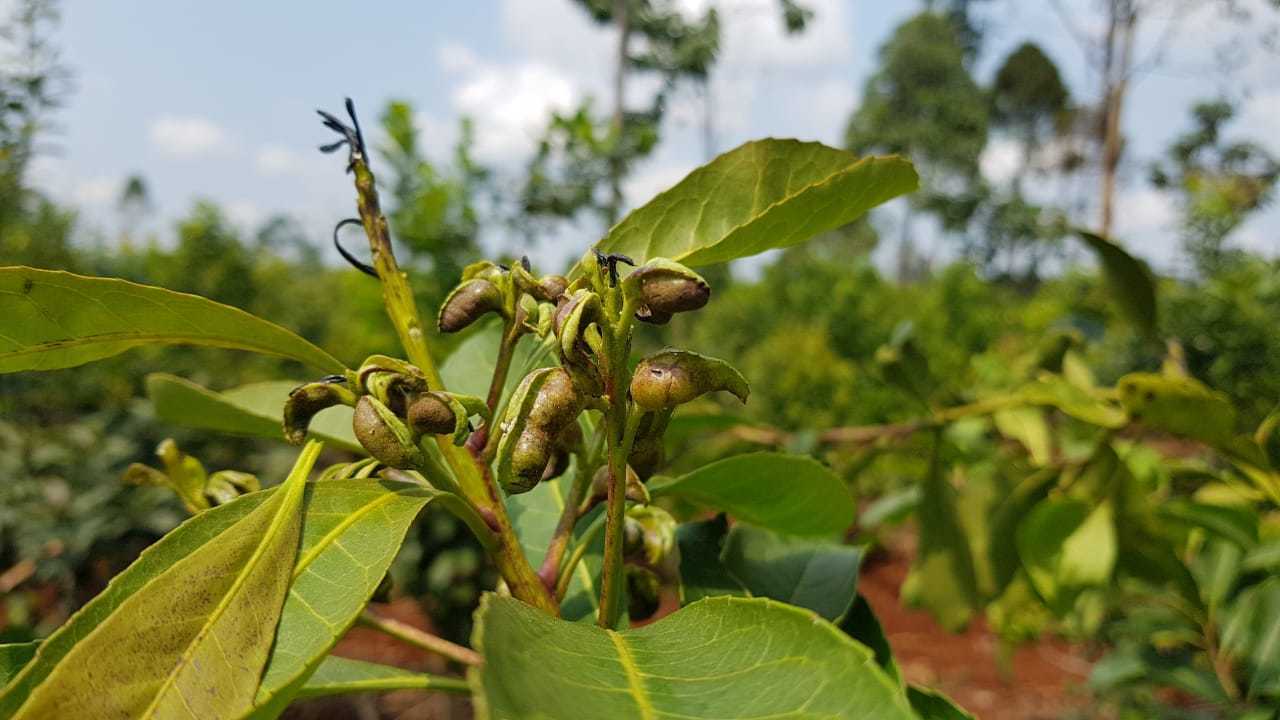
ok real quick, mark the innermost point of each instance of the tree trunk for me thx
(1117, 64)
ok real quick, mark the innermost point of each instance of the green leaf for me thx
(762, 195)
(1182, 406)
(340, 676)
(890, 509)
(861, 624)
(933, 705)
(13, 657)
(534, 516)
(1067, 546)
(1236, 525)
(469, 368)
(1028, 426)
(255, 409)
(702, 574)
(717, 658)
(1265, 557)
(55, 319)
(1251, 635)
(817, 576)
(1129, 279)
(352, 530)
(787, 493)
(942, 579)
(193, 640)
(1072, 400)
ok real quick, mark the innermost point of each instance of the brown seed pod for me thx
(543, 406)
(665, 288)
(430, 414)
(383, 435)
(307, 400)
(674, 377)
(467, 303)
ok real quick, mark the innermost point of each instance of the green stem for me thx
(417, 681)
(568, 519)
(620, 424)
(419, 638)
(565, 575)
(473, 480)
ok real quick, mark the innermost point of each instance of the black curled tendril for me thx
(351, 136)
(610, 262)
(355, 261)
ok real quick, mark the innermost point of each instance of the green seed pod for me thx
(674, 377)
(383, 435)
(307, 400)
(574, 316)
(664, 288)
(542, 407)
(227, 485)
(648, 452)
(656, 531)
(467, 303)
(636, 492)
(392, 380)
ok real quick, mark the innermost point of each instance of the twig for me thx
(420, 638)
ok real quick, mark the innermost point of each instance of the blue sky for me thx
(216, 100)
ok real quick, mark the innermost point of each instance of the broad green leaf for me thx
(1002, 544)
(1129, 279)
(815, 575)
(1067, 546)
(1251, 635)
(340, 676)
(787, 493)
(255, 409)
(352, 530)
(55, 319)
(942, 579)
(534, 515)
(1216, 567)
(1182, 406)
(1028, 426)
(1236, 525)
(1072, 400)
(717, 658)
(702, 574)
(194, 640)
(1265, 557)
(861, 624)
(759, 196)
(933, 705)
(13, 657)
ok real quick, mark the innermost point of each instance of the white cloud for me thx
(276, 160)
(650, 181)
(509, 102)
(244, 213)
(187, 136)
(97, 191)
(1000, 160)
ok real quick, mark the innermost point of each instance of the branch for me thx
(421, 639)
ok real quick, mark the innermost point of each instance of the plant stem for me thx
(550, 569)
(417, 681)
(481, 439)
(565, 575)
(473, 480)
(419, 638)
(621, 425)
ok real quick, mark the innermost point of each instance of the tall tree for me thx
(1219, 183)
(923, 102)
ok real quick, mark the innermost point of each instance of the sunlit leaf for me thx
(55, 319)
(1067, 546)
(1081, 404)
(787, 493)
(1028, 426)
(762, 195)
(255, 409)
(1182, 406)
(193, 640)
(716, 658)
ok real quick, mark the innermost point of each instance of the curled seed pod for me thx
(431, 414)
(562, 447)
(542, 407)
(657, 535)
(483, 269)
(664, 288)
(307, 400)
(673, 377)
(383, 435)
(648, 452)
(392, 380)
(574, 315)
(467, 303)
(552, 287)
(636, 492)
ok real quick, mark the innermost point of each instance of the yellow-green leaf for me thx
(721, 657)
(193, 641)
(255, 409)
(55, 319)
(759, 196)
(1182, 406)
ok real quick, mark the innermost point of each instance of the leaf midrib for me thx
(294, 486)
(635, 681)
